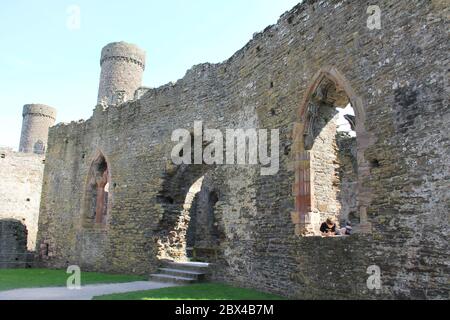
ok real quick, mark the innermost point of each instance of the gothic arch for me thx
(331, 87)
(97, 199)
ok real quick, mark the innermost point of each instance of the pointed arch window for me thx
(97, 193)
(318, 191)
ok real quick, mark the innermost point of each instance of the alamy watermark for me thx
(240, 146)
(74, 280)
(73, 21)
(374, 19)
(374, 280)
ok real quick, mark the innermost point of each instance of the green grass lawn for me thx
(34, 278)
(206, 291)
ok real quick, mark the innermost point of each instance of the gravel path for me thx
(85, 293)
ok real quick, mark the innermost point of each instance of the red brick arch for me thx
(103, 199)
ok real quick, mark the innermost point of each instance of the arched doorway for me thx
(203, 233)
(329, 163)
(188, 229)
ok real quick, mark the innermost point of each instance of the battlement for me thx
(123, 51)
(39, 110)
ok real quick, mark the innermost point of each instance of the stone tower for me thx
(122, 67)
(37, 119)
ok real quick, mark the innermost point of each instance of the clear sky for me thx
(45, 57)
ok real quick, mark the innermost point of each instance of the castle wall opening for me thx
(190, 211)
(327, 172)
(97, 194)
(189, 228)
(203, 232)
(213, 198)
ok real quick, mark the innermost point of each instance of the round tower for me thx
(122, 67)
(37, 119)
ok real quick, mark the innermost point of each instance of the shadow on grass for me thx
(38, 278)
(206, 291)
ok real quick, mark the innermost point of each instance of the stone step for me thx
(172, 279)
(189, 266)
(183, 273)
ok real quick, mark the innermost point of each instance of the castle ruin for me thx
(113, 201)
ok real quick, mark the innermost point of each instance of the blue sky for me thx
(42, 60)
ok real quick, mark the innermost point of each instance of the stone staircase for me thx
(181, 272)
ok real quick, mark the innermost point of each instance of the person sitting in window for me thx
(347, 230)
(328, 228)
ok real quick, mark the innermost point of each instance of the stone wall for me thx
(325, 165)
(20, 189)
(396, 80)
(13, 244)
(348, 178)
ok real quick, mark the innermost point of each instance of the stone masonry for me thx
(122, 67)
(20, 189)
(392, 181)
(13, 244)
